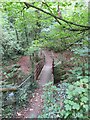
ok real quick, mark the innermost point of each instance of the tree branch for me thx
(70, 45)
(47, 6)
(56, 17)
(51, 12)
(76, 30)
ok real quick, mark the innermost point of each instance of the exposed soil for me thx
(36, 103)
(68, 55)
(24, 62)
(21, 71)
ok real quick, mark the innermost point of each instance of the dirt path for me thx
(24, 62)
(36, 103)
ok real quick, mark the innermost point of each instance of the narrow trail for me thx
(36, 103)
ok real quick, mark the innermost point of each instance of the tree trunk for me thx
(17, 35)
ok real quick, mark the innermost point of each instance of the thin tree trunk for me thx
(26, 34)
(25, 28)
(17, 34)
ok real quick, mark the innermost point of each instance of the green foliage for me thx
(75, 103)
(21, 26)
(58, 36)
(50, 106)
(80, 61)
(25, 31)
(25, 93)
(34, 47)
(13, 74)
(11, 105)
(8, 112)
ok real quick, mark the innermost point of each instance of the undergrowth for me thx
(69, 99)
(73, 103)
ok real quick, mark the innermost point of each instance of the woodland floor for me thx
(24, 62)
(36, 103)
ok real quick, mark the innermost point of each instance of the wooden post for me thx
(32, 62)
(53, 67)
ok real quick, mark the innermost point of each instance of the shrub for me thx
(75, 100)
